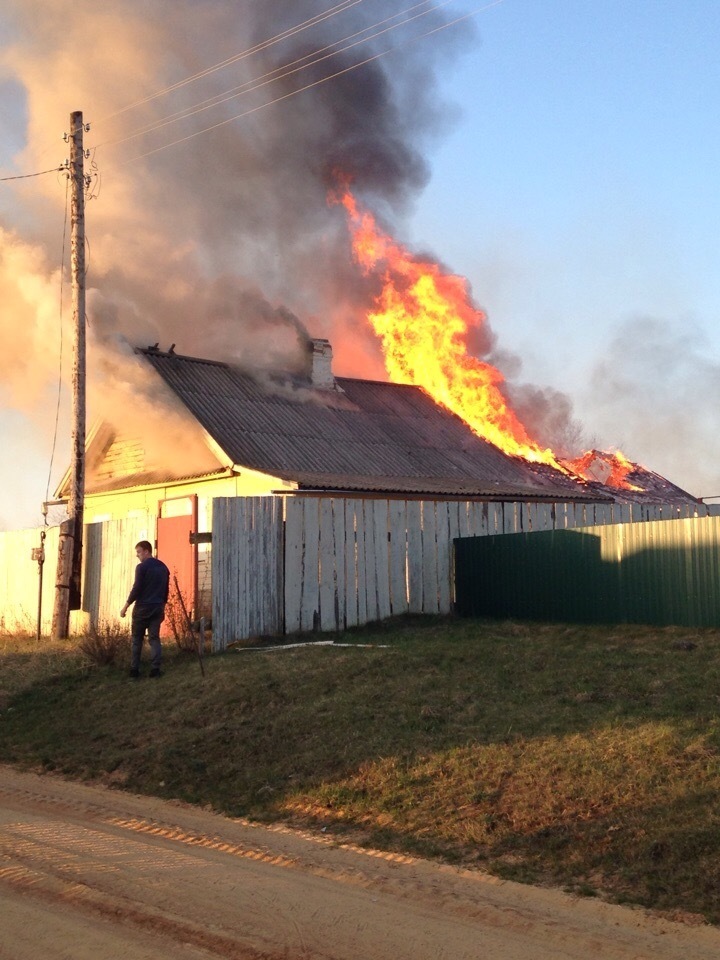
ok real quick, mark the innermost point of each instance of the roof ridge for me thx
(383, 383)
(153, 351)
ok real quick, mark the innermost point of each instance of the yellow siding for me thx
(122, 504)
(123, 457)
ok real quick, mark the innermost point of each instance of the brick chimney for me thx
(321, 374)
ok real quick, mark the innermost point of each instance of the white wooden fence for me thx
(297, 564)
(326, 563)
(109, 567)
(247, 565)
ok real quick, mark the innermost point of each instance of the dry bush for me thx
(105, 643)
(22, 625)
(186, 642)
(186, 633)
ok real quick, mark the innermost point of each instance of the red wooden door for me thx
(176, 521)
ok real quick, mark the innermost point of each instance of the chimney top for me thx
(321, 374)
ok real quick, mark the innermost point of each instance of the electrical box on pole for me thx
(67, 584)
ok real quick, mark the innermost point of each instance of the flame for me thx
(612, 469)
(424, 318)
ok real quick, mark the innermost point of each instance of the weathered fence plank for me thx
(415, 557)
(294, 562)
(340, 576)
(309, 613)
(444, 545)
(382, 558)
(351, 566)
(464, 519)
(397, 519)
(328, 571)
(371, 584)
(361, 571)
(544, 516)
(454, 533)
(429, 558)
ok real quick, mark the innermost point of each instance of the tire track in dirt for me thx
(217, 887)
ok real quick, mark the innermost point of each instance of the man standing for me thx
(149, 594)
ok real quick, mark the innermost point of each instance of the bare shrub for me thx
(105, 643)
(184, 630)
(186, 642)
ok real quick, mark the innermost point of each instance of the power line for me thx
(280, 73)
(26, 176)
(263, 45)
(316, 83)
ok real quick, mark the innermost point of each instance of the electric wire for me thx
(280, 73)
(263, 45)
(312, 21)
(60, 362)
(26, 176)
(322, 80)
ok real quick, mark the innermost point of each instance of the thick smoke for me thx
(223, 244)
(657, 389)
(232, 224)
(548, 416)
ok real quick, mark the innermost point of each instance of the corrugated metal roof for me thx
(366, 435)
(431, 487)
(654, 489)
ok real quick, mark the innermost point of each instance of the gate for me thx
(177, 519)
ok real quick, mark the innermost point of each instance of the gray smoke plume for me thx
(224, 243)
(657, 388)
(206, 242)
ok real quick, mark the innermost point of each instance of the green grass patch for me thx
(583, 757)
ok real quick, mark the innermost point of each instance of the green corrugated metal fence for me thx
(659, 572)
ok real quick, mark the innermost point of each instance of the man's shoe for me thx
(156, 672)
(134, 674)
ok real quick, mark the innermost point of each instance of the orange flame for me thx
(612, 469)
(424, 318)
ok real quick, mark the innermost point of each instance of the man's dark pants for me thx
(147, 616)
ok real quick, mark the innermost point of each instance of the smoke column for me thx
(224, 243)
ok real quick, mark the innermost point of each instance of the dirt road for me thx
(87, 872)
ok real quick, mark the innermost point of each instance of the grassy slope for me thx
(579, 756)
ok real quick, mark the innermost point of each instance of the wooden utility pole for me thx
(67, 584)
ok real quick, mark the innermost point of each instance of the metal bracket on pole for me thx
(38, 554)
(200, 538)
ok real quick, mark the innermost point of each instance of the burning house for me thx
(286, 209)
(294, 434)
(227, 226)
(313, 434)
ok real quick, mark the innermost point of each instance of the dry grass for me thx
(24, 662)
(582, 757)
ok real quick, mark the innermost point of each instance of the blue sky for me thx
(587, 154)
(577, 190)
(579, 194)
